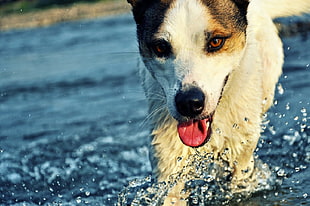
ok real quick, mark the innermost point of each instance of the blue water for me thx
(72, 116)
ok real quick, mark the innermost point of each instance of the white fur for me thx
(254, 72)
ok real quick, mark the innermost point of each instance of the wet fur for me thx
(255, 53)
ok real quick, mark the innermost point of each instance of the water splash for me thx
(206, 182)
(143, 192)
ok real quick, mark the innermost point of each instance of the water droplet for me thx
(303, 126)
(225, 151)
(245, 171)
(235, 126)
(304, 112)
(265, 116)
(280, 89)
(281, 173)
(195, 201)
(78, 200)
(148, 178)
(296, 118)
(264, 101)
(272, 130)
(246, 119)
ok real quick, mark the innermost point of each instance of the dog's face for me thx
(190, 47)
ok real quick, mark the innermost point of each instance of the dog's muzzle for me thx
(190, 103)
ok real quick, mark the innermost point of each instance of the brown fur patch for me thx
(234, 35)
(229, 13)
(228, 20)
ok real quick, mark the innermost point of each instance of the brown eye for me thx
(215, 44)
(161, 48)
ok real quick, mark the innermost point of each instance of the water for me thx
(72, 118)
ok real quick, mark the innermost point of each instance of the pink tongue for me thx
(193, 133)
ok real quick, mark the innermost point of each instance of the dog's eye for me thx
(215, 44)
(161, 48)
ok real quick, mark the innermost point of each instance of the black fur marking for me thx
(229, 13)
(149, 15)
(161, 48)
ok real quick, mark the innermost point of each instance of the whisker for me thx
(151, 115)
(157, 97)
(162, 96)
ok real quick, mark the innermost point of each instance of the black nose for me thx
(190, 102)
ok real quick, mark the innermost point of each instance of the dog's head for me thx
(190, 47)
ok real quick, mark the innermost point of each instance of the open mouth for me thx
(190, 102)
(195, 133)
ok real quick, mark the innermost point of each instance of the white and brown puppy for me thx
(211, 71)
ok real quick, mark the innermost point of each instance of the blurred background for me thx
(34, 13)
(73, 123)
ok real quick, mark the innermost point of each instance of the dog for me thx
(210, 72)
